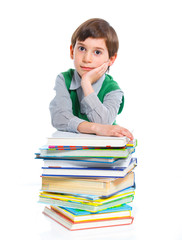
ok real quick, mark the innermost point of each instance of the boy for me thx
(88, 100)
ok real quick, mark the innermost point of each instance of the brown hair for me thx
(97, 28)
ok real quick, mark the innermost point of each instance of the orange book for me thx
(70, 225)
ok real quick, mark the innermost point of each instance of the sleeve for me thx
(61, 108)
(106, 112)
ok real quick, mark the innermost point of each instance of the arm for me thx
(106, 111)
(61, 108)
(63, 118)
(104, 130)
(96, 111)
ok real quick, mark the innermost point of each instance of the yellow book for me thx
(89, 202)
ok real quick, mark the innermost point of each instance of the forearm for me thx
(104, 113)
(65, 122)
(104, 130)
(87, 127)
(93, 128)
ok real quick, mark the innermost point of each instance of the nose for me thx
(87, 57)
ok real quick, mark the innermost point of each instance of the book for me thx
(94, 186)
(60, 138)
(108, 162)
(86, 206)
(81, 159)
(46, 152)
(131, 143)
(88, 203)
(88, 197)
(69, 224)
(118, 162)
(90, 172)
(77, 215)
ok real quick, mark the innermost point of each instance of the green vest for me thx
(108, 85)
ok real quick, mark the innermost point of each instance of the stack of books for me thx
(87, 180)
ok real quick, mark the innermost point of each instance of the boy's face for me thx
(90, 54)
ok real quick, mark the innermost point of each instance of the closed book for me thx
(83, 203)
(130, 144)
(120, 162)
(60, 138)
(69, 224)
(108, 160)
(90, 172)
(46, 152)
(94, 186)
(77, 215)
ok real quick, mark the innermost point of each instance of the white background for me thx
(34, 49)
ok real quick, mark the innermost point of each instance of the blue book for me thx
(85, 163)
(79, 212)
(111, 172)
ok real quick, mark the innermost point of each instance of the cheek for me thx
(76, 59)
(101, 60)
(78, 56)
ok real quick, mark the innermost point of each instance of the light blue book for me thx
(77, 215)
(79, 212)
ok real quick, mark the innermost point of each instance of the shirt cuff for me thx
(90, 102)
(73, 124)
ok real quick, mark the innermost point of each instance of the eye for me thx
(81, 48)
(97, 52)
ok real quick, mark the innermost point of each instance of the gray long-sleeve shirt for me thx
(96, 111)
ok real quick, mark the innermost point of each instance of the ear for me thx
(112, 59)
(71, 51)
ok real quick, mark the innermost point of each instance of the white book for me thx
(60, 138)
(91, 171)
(118, 162)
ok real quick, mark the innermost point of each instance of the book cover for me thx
(88, 198)
(85, 163)
(84, 205)
(45, 151)
(60, 138)
(77, 215)
(91, 186)
(119, 162)
(67, 223)
(79, 159)
(90, 172)
(132, 143)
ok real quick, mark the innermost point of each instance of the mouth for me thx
(86, 68)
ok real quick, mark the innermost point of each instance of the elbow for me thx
(57, 122)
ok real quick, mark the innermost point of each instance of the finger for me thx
(99, 71)
(103, 69)
(118, 135)
(127, 133)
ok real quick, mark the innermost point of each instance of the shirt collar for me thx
(76, 82)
